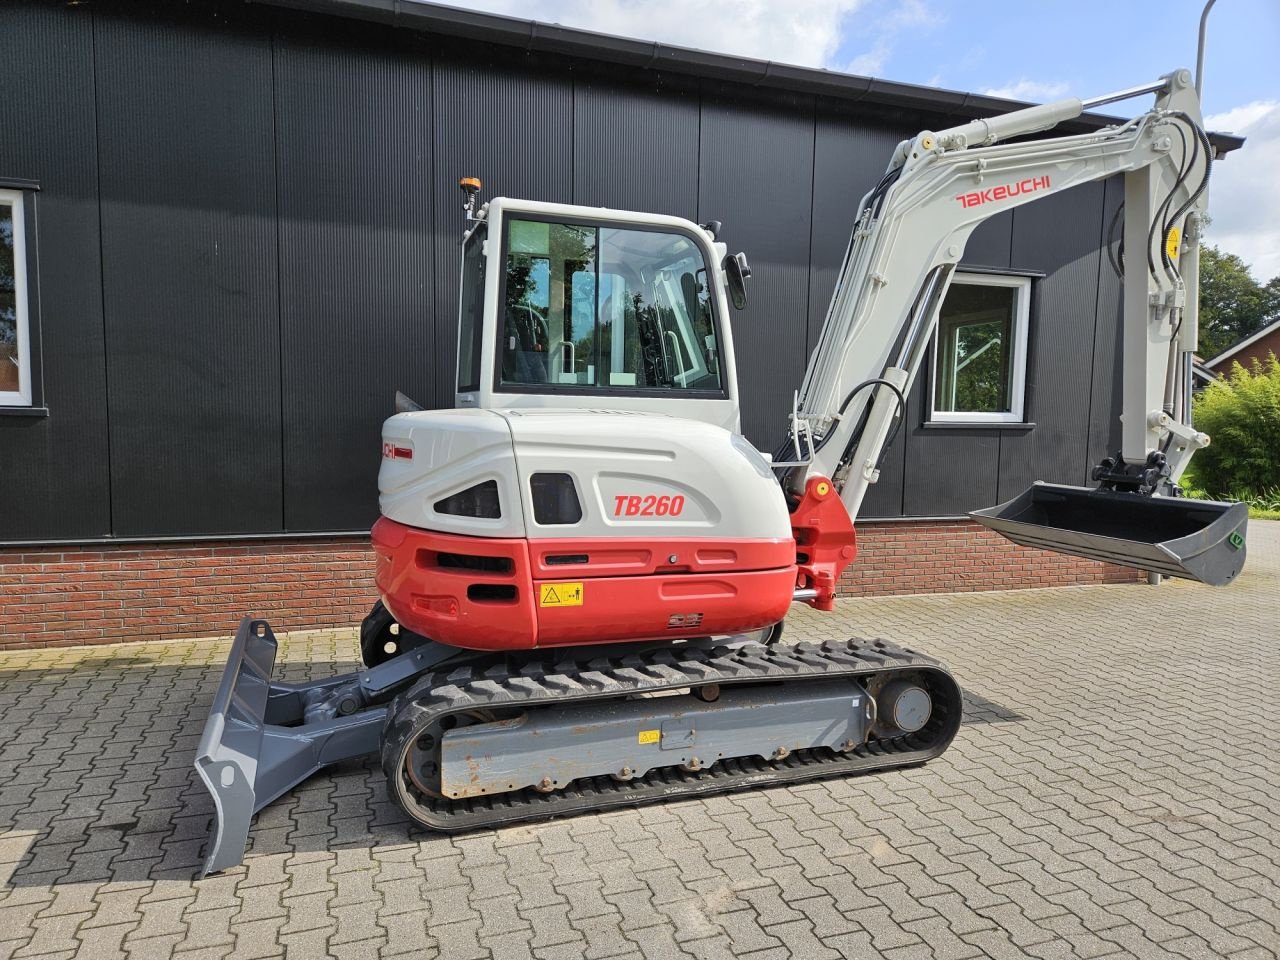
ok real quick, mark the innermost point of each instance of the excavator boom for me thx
(909, 237)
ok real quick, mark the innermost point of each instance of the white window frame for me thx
(22, 396)
(1018, 385)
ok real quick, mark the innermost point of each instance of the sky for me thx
(1035, 50)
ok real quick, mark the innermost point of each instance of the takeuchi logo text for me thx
(1003, 192)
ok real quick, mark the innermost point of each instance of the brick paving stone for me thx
(209, 928)
(407, 933)
(159, 948)
(603, 937)
(108, 942)
(257, 938)
(940, 939)
(1089, 808)
(205, 953)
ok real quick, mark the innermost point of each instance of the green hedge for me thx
(1242, 416)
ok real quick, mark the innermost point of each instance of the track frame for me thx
(534, 684)
(264, 737)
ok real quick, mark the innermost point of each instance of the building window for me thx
(15, 324)
(590, 307)
(980, 350)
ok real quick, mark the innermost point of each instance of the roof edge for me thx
(533, 35)
(1253, 338)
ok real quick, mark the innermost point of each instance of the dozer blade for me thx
(227, 759)
(258, 743)
(1194, 539)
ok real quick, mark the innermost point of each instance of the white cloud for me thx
(910, 13)
(905, 15)
(871, 63)
(1033, 90)
(1244, 192)
(1237, 119)
(802, 32)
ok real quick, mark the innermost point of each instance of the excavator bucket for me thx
(1194, 539)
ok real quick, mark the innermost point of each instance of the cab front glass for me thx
(593, 308)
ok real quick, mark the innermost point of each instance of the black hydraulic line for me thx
(1204, 181)
(897, 427)
(1157, 221)
(1171, 268)
(869, 383)
(857, 434)
(880, 190)
(1166, 225)
(1116, 258)
(788, 445)
(1202, 145)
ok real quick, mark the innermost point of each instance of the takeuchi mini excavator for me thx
(584, 568)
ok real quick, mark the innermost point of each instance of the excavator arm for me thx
(909, 237)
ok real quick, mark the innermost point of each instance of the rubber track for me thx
(542, 682)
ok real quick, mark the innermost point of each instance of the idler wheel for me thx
(903, 707)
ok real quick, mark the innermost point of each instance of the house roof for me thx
(1248, 341)
(1201, 372)
(531, 35)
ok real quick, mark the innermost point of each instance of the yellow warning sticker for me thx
(560, 595)
(1171, 243)
(650, 736)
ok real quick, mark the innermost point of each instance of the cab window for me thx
(596, 307)
(471, 310)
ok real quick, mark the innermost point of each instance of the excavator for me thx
(584, 568)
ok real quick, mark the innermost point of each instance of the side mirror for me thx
(736, 272)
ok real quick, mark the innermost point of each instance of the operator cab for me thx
(589, 308)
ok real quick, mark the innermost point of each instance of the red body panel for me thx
(677, 605)
(633, 557)
(431, 598)
(825, 541)
(488, 594)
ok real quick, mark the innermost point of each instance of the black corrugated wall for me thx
(247, 233)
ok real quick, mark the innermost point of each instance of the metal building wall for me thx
(248, 238)
(186, 170)
(356, 258)
(55, 471)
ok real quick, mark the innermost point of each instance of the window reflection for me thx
(606, 307)
(471, 311)
(10, 359)
(978, 348)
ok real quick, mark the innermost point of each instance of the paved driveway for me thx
(1114, 791)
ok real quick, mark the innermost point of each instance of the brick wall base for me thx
(56, 596)
(959, 556)
(64, 595)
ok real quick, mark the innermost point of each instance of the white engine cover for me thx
(641, 475)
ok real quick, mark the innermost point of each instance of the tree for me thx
(8, 295)
(1242, 415)
(1232, 304)
(981, 376)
